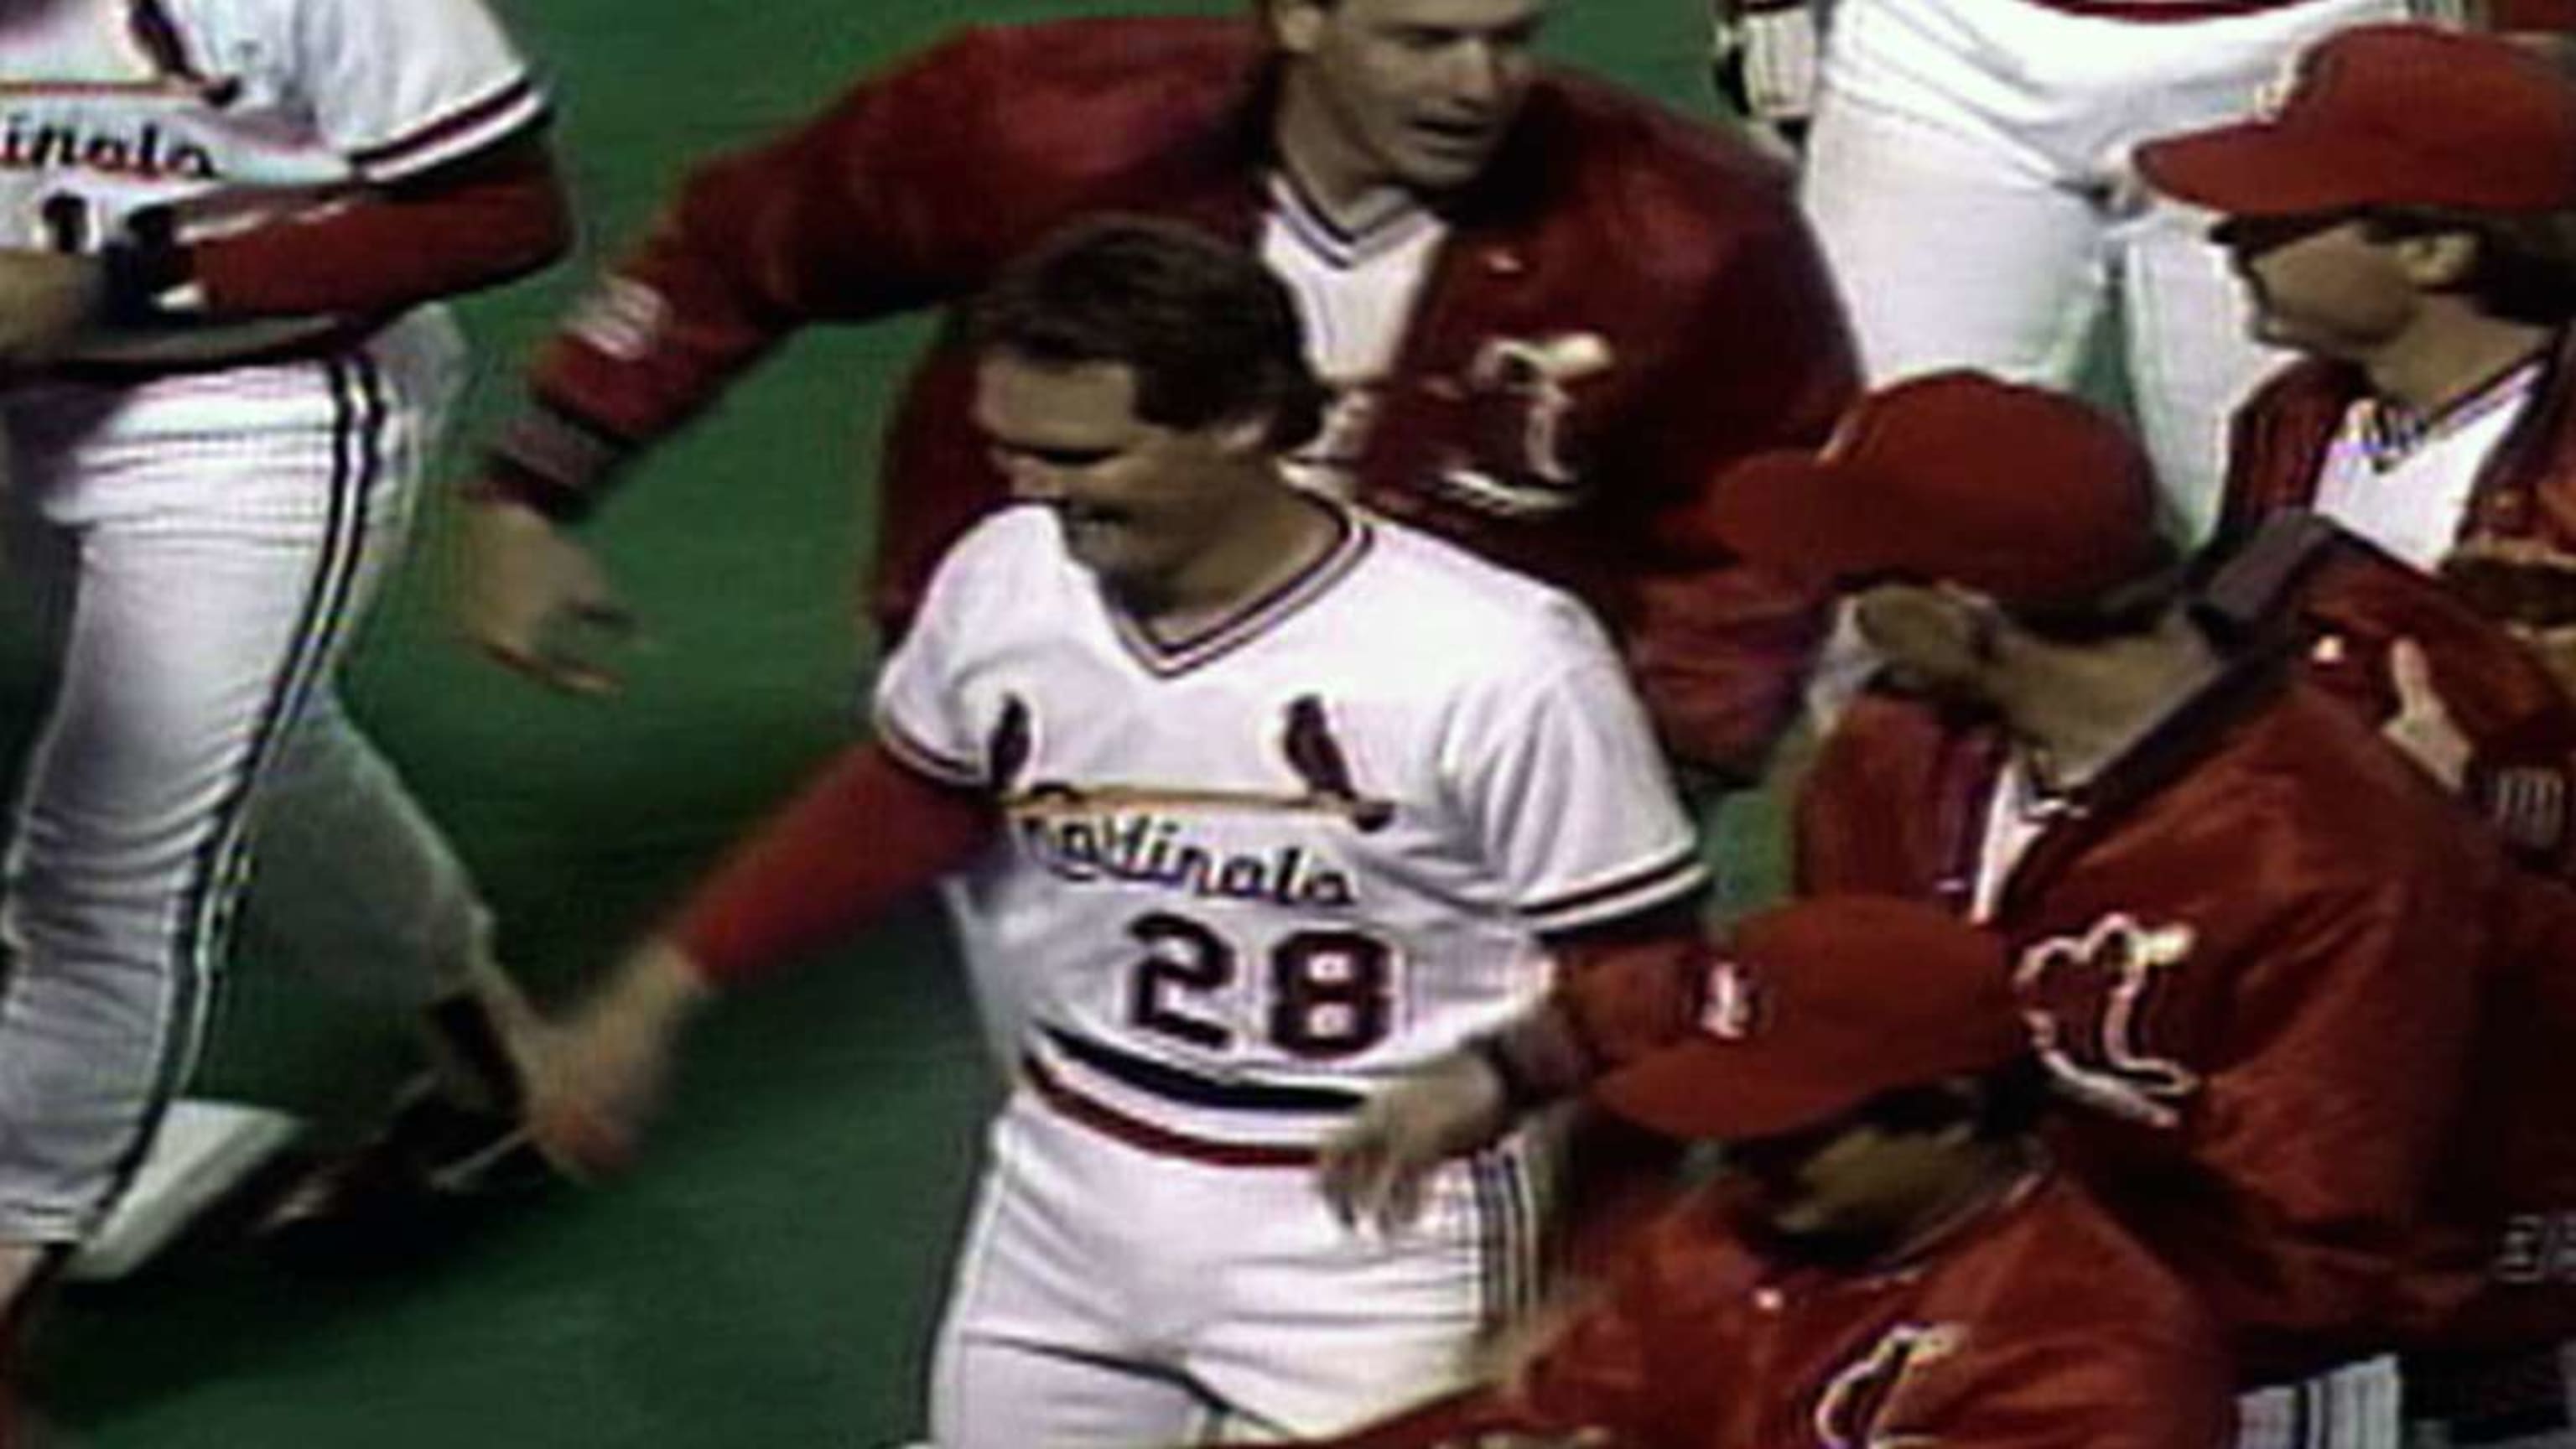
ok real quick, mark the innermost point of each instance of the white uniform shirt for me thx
(2407, 491)
(1355, 292)
(1302, 852)
(220, 114)
(2017, 813)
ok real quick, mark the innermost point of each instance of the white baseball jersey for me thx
(1355, 292)
(2404, 482)
(1253, 870)
(210, 116)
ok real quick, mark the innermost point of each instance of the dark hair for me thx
(1210, 334)
(2525, 267)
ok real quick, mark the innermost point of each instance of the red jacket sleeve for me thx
(1886, 806)
(857, 214)
(866, 833)
(2520, 723)
(1720, 651)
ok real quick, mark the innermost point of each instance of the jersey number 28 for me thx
(1331, 992)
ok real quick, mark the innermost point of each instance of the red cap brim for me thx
(1793, 516)
(2256, 168)
(1726, 1091)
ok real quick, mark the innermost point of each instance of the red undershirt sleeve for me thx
(474, 223)
(863, 835)
(1622, 991)
(1632, 992)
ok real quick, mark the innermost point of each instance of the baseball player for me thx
(1267, 802)
(219, 222)
(1967, 170)
(2253, 942)
(2402, 221)
(1889, 1255)
(1549, 311)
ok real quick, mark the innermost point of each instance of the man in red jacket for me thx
(2402, 221)
(1889, 1257)
(2251, 937)
(1551, 312)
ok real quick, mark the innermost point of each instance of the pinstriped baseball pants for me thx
(196, 583)
(2352, 1407)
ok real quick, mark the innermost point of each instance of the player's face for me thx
(1138, 502)
(2320, 284)
(1418, 93)
(1845, 1190)
(1936, 640)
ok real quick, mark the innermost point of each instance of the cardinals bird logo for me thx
(1007, 749)
(159, 40)
(1854, 1409)
(2091, 1001)
(1519, 396)
(1317, 758)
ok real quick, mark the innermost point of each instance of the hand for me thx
(596, 1081)
(46, 299)
(532, 597)
(2555, 648)
(2422, 727)
(1763, 56)
(1374, 1168)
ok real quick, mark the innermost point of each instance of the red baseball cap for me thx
(2390, 115)
(2018, 492)
(1819, 1006)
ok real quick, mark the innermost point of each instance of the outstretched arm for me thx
(864, 835)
